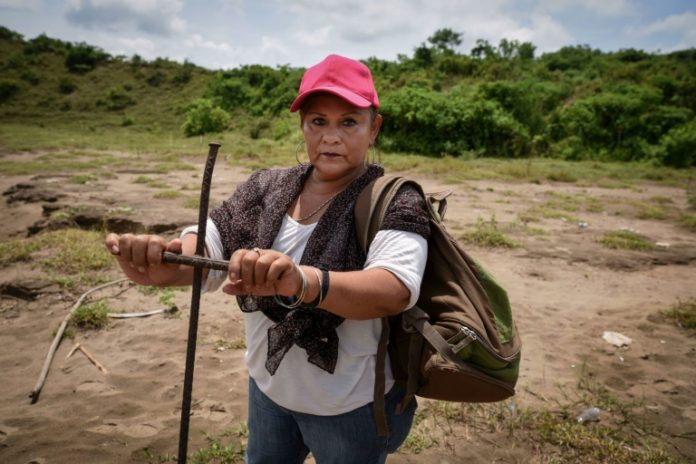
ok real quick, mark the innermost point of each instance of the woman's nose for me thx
(330, 136)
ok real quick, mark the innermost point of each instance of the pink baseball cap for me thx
(349, 79)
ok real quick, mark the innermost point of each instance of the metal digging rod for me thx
(195, 303)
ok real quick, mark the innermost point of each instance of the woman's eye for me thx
(350, 122)
(318, 121)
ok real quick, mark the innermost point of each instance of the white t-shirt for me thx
(299, 385)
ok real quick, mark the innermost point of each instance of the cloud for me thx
(679, 25)
(390, 27)
(155, 17)
(604, 8)
(21, 4)
(317, 38)
(675, 23)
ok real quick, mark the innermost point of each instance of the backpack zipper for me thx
(469, 337)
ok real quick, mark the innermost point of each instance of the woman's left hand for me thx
(262, 273)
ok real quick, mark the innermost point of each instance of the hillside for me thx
(576, 103)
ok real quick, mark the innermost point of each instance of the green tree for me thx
(445, 40)
(202, 117)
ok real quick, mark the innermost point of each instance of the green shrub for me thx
(30, 76)
(82, 58)
(424, 121)
(8, 89)
(91, 316)
(678, 146)
(119, 99)
(156, 79)
(44, 44)
(684, 314)
(202, 117)
(10, 35)
(66, 86)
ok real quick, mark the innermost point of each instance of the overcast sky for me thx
(226, 33)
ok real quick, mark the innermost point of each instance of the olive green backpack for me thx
(459, 342)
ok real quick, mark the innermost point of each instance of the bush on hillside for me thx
(82, 58)
(119, 99)
(8, 89)
(202, 117)
(678, 146)
(425, 121)
(44, 44)
(66, 86)
(10, 35)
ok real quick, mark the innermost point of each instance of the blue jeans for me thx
(278, 435)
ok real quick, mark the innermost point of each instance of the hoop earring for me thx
(297, 150)
(373, 156)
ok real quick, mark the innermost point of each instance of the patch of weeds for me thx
(68, 213)
(168, 194)
(688, 221)
(75, 251)
(91, 316)
(83, 179)
(561, 176)
(626, 240)
(535, 231)
(221, 344)
(150, 182)
(660, 200)
(192, 202)
(218, 452)
(17, 250)
(621, 436)
(166, 298)
(120, 210)
(645, 210)
(69, 332)
(684, 314)
(529, 216)
(145, 454)
(596, 443)
(488, 234)
(420, 437)
(691, 199)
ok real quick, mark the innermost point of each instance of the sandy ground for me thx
(565, 287)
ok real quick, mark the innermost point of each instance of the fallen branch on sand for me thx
(88, 355)
(142, 314)
(34, 395)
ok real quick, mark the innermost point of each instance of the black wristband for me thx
(324, 282)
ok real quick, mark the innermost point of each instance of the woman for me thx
(312, 299)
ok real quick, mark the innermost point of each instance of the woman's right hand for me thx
(140, 258)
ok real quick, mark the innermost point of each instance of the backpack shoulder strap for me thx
(371, 207)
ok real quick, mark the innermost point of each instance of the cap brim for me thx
(351, 97)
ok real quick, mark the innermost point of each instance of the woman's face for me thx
(338, 135)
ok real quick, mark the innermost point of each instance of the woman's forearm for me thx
(359, 295)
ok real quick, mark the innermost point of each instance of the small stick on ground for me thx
(142, 314)
(34, 395)
(74, 348)
(91, 358)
